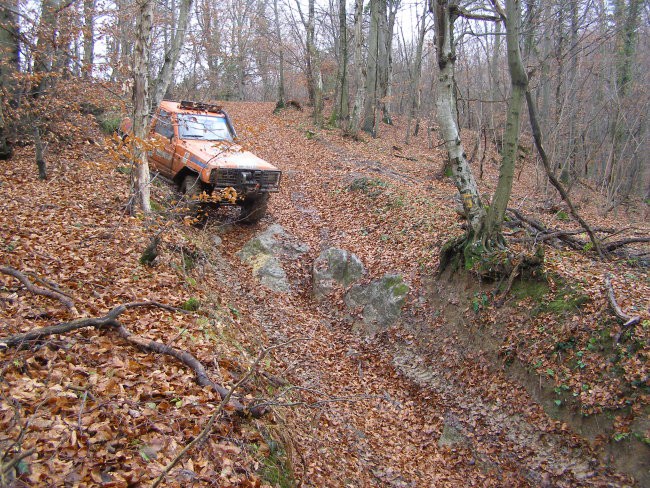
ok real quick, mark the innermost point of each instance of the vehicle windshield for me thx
(203, 127)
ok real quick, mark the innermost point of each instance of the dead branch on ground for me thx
(110, 321)
(208, 426)
(52, 291)
(540, 233)
(630, 320)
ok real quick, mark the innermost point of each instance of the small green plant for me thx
(619, 436)
(562, 215)
(479, 301)
(191, 305)
(110, 122)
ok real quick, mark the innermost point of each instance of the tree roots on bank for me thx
(495, 264)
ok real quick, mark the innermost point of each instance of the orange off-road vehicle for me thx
(196, 148)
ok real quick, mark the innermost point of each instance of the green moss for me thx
(530, 289)
(109, 122)
(191, 305)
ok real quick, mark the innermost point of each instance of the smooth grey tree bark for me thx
(9, 63)
(89, 37)
(342, 108)
(446, 115)
(416, 72)
(278, 35)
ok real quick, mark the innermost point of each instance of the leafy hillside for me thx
(433, 400)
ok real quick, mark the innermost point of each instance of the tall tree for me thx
(9, 65)
(416, 72)
(89, 36)
(141, 104)
(355, 119)
(376, 65)
(278, 39)
(342, 108)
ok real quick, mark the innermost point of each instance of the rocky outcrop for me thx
(333, 268)
(380, 302)
(265, 252)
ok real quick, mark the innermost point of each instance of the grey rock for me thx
(381, 302)
(452, 433)
(264, 253)
(216, 240)
(335, 267)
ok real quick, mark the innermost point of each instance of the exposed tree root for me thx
(110, 321)
(630, 320)
(490, 264)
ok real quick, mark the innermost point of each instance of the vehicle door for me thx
(162, 133)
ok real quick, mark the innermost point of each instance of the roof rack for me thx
(209, 107)
(204, 107)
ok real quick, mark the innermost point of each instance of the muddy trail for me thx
(408, 407)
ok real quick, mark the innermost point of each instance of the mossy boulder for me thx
(335, 267)
(265, 252)
(380, 302)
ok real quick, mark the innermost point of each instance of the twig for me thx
(37, 290)
(9, 465)
(629, 319)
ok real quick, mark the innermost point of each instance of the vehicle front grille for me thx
(224, 177)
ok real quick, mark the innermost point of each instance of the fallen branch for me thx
(110, 320)
(5, 468)
(629, 319)
(624, 242)
(208, 426)
(37, 290)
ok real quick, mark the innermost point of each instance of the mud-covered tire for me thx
(253, 210)
(191, 190)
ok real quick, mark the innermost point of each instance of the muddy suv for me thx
(196, 148)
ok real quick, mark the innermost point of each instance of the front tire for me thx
(191, 190)
(253, 210)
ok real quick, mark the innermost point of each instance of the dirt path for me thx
(380, 406)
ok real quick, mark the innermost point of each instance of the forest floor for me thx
(460, 392)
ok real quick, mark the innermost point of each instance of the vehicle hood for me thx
(225, 155)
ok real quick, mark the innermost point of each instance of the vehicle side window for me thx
(164, 125)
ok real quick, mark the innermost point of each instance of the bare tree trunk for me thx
(342, 111)
(376, 46)
(89, 37)
(141, 105)
(9, 64)
(172, 54)
(416, 72)
(355, 119)
(40, 155)
(463, 177)
(314, 58)
(278, 34)
(519, 83)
